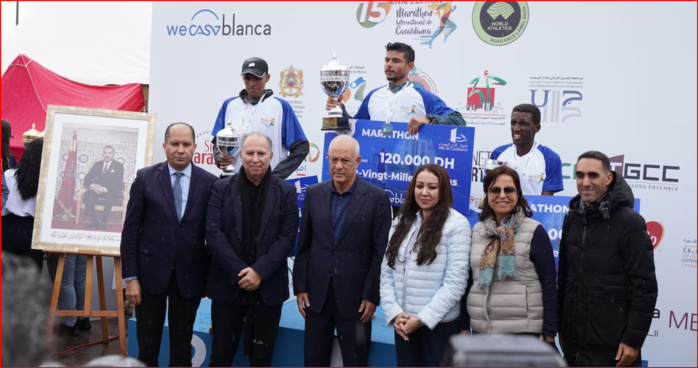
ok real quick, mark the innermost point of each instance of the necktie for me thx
(106, 166)
(177, 191)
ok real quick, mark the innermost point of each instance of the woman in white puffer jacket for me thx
(425, 269)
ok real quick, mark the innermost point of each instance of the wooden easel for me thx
(88, 312)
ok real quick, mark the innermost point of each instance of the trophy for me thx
(334, 79)
(227, 144)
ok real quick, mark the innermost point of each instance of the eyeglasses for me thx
(507, 190)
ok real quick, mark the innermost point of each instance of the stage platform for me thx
(289, 343)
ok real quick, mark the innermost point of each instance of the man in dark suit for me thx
(342, 240)
(162, 247)
(105, 180)
(251, 226)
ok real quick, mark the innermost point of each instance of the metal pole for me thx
(17, 14)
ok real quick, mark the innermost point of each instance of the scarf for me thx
(602, 205)
(500, 248)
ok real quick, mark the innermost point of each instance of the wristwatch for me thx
(431, 118)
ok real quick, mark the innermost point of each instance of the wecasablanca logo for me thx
(422, 80)
(500, 23)
(370, 13)
(207, 23)
(656, 232)
(291, 82)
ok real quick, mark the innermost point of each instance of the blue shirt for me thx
(184, 182)
(338, 206)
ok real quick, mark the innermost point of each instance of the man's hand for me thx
(415, 123)
(224, 161)
(133, 292)
(368, 309)
(333, 101)
(465, 332)
(250, 279)
(626, 354)
(303, 302)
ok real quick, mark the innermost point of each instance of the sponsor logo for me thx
(204, 152)
(559, 98)
(647, 176)
(457, 142)
(654, 177)
(688, 254)
(291, 82)
(313, 156)
(683, 321)
(481, 106)
(267, 122)
(206, 23)
(356, 92)
(656, 232)
(479, 165)
(500, 23)
(409, 110)
(371, 13)
(396, 198)
(422, 80)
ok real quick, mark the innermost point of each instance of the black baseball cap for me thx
(256, 66)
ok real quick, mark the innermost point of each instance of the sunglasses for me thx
(507, 190)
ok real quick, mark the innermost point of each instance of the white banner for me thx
(614, 77)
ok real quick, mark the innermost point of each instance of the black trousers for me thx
(90, 199)
(17, 238)
(354, 336)
(228, 321)
(150, 319)
(426, 347)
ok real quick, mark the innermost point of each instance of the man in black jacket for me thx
(607, 287)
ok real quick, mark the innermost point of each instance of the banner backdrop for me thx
(388, 162)
(610, 76)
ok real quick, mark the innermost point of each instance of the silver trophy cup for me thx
(334, 79)
(227, 144)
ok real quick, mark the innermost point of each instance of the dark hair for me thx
(605, 162)
(6, 134)
(406, 49)
(430, 234)
(490, 178)
(29, 168)
(531, 109)
(110, 147)
(167, 131)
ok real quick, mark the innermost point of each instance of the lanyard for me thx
(391, 109)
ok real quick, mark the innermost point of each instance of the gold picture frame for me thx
(77, 140)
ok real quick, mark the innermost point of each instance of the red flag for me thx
(67, 191)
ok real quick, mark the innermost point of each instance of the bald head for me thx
(343, 156)
(346, 141)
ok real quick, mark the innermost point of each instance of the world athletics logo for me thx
(500, 23)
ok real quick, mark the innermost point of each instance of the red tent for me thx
(28, 88)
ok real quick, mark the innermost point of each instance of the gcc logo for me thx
(656, 232)
(371, 13)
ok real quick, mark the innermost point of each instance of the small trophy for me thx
(227, 144)
(334, 79)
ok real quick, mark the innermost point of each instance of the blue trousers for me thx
(72, 294)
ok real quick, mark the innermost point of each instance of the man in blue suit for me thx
(252, 224)
(336, 275)
(162, 247)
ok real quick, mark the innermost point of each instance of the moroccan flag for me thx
(67, 190)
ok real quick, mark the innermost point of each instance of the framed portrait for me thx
(89, 160)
